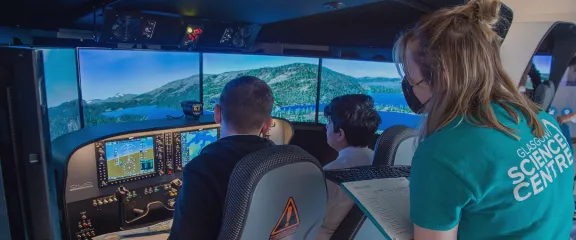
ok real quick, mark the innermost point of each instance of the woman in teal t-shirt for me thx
(489, 164)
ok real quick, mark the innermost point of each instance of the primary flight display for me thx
(129, 158)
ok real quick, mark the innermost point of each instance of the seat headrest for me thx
(274, 192)
(395, 146)
(544, 94)
(280, 132)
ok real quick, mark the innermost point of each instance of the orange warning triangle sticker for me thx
(288, 222)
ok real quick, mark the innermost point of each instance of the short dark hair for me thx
(355, 114)
(246, 103)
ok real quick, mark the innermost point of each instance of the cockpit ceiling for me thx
(360, 23)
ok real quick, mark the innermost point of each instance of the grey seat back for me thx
(544, 94)
(275, 193)
(395, 146)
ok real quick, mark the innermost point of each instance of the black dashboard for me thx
(124, 176)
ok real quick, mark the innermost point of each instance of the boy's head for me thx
(245, 106)
(352, 121)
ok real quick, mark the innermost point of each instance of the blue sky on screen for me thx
(105, 73)
(543, 63)
(215, 63)
(362, 68)
(60, 74)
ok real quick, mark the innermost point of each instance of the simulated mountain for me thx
(294, 85)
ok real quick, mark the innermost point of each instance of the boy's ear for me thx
(341, 135)
(267, 125)
(217, 114)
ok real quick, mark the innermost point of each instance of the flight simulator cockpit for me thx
(101, 142)
(128, 179)
(127, 175)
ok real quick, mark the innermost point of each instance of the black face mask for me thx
(415, 105)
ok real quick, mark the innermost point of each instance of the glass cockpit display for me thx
(193, 142)
(129, 158)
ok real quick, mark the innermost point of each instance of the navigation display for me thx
(193, 142)
(130, 158)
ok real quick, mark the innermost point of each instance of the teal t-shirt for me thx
(493, 186)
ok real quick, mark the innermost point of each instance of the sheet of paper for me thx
(387, 203)
(153, 232)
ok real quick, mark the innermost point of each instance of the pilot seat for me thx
(395, 146)
(280, 132)
(393, 154)
(544, 94)
(275, 193)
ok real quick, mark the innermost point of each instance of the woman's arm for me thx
(426, 234)
(438, 196)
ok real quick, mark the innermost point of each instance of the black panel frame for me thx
(26, 159)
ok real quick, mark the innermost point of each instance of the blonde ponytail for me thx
(459, 53)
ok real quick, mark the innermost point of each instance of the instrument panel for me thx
(125, 181)
(135, 158)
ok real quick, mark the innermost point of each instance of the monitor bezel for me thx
(103, 176)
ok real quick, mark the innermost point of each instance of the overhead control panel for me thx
(123, 178)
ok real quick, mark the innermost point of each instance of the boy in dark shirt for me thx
(244, 111)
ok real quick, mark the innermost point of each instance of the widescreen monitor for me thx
(542, 65)
(60, 72)
(135, 85)
(380, 80)
(293, 80)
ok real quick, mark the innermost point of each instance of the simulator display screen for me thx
(292, 79)
(193, 142)
(61, 91)
(377, 79)
(128, 85)
(130, 158)
(542, 63)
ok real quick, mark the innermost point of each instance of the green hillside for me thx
(293, 85)
(63, 119)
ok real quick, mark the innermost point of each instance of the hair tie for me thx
(476, 17)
